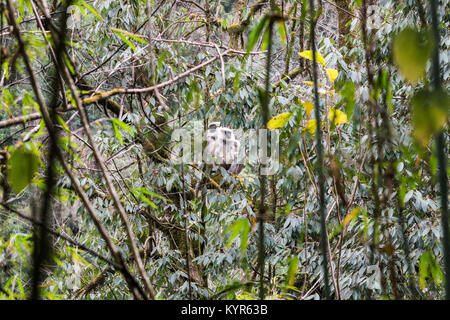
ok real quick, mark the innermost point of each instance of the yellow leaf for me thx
(310, 83)
(350, 216)
(308, 55)
(322, 91)
(309, 106)
(99, 124)
(310, 126)
(279, 121)
(337, 116)
(332, 74)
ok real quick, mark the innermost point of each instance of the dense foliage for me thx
(95, 205)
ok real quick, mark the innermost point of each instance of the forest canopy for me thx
(224, 149)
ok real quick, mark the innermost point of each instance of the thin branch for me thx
(222, 66)
(100, 161)
(60, 235)
(319, 149)
(131, 281)
(441, 154)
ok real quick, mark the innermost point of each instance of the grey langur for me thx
(222, 147)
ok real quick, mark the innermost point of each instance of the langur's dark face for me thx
(213, 126)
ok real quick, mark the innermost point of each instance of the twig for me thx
(222, 65)
(111, 188)
(185, 217)
(131, 281)
(208, 44)
(103, 95)
(60, 235)
(441, 154)
(319, 148)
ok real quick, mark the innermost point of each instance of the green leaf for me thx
(265, 41)
(77, 257)
(282, 30)
(229, 288)
(236, 81)
(70, 146)
(69, 64)
(347, 101)
(117, 123)
(134, 36)
(124, 34)
(234, 229)
(7, 103)
(358, 3)
(22, 291)
(22, 166)
(117, 133)
(87, 6)
(149, 193)
(256, 33)
(430, 111)
(27, 104)
(5, 69)
(427, 265)
(144, 199)
(366, 223)
(128, 42)
(241, 226)
(244, 235)
(141, 192)
(423, 269)
(292, 270)
(71, 99)
(63, 123)
(304, 9)
(436, 272)
(411, 51)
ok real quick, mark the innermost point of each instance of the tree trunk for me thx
(344, 17)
